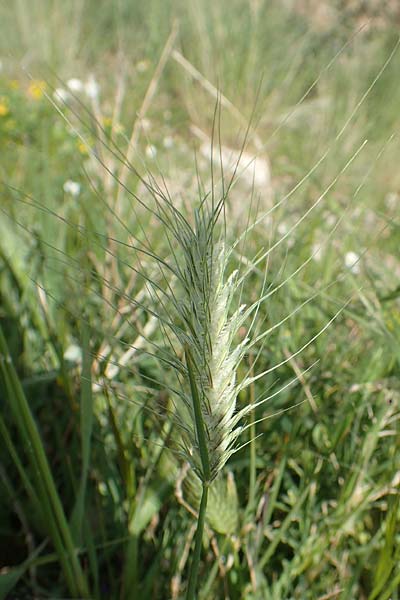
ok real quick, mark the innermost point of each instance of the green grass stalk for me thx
(194, 570)
(52, 508)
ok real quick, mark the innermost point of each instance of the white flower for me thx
(145, 124)
(330, 219)
(75, 85)
(92, 88)
(61, 95)
(351, 261)
(73, 354)
(151, 151)
(168, 141)
(282, 228)
(72, 187)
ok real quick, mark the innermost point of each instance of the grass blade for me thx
(51, 503)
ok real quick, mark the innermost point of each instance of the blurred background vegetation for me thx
(310, 509)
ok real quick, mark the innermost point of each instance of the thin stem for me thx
(194, 570)
(253, 456)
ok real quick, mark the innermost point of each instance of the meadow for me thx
(176, 176)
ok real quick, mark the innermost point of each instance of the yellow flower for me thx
(83, 149)
(14, 84)
(3, 108)
(36, 89)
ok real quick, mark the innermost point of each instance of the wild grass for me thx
(124, 386)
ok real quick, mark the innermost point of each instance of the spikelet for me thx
(207, 334)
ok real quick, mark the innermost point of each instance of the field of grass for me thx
(110, 111)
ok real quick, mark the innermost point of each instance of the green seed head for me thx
(208, 333)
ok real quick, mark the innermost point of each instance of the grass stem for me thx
(194, 570)
(51, 505)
